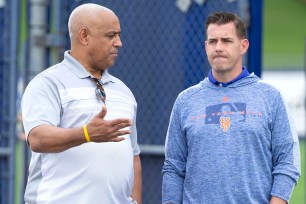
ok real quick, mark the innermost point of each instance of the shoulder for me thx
(190, 94)
(266, 88)
(119, 86)
(48, 74)
(46, 82)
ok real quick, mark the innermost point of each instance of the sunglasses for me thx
(100, 93)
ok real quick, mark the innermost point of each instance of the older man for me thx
(80, 121)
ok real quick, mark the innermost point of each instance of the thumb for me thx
(103, 112)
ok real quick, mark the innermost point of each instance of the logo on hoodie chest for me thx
(226, 114)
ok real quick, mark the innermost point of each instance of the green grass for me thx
(298, 195)
(284, 33)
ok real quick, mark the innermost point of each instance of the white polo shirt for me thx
(64, 96)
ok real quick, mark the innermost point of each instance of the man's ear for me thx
(244, 46)
(83, 35)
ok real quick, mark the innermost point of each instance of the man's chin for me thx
(109, 65)
(219, 68)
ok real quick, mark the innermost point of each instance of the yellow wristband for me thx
(86, 133)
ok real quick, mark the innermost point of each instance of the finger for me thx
(121, 126)
(103, 112)
(118, 139)
(121, 133)
(121, 121)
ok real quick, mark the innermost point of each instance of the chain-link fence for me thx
(4, 181)
(7, 105)
(163, 53)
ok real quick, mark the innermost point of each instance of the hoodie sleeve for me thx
(286, 152)
(175, 159)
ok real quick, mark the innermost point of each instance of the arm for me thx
(137, 186)
(42, 112)
(47, 138)
(285, 152)
(175, 159)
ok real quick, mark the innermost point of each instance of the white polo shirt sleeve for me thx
(38, 108)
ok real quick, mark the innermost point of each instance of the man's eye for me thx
(112, 35)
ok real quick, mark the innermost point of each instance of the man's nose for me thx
(219, 46)
(118, 42)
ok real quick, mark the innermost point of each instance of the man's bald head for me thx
(86, 15)
(95, 37)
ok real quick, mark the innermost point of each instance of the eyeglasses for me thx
(100, 93)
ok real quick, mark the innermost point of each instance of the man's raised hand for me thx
(101, 130)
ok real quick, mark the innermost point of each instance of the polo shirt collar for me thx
(243, 74)
(79, 70)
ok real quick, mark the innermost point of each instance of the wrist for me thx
(86, 135)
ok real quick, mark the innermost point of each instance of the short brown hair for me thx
(221, 18)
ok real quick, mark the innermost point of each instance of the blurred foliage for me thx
(284, 33)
